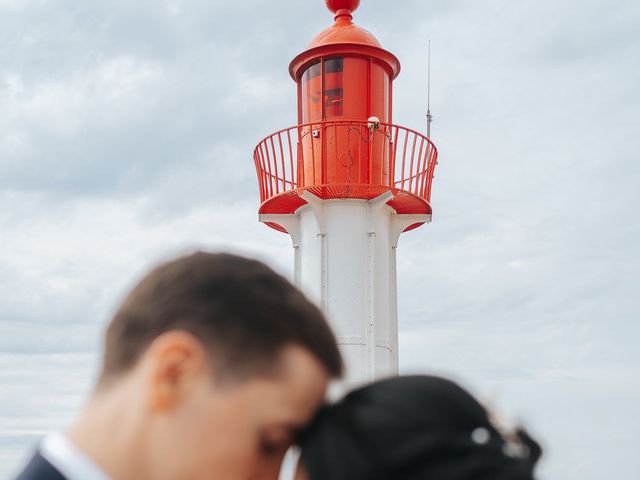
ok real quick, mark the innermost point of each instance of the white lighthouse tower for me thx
(345, 183)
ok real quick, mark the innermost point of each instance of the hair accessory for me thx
(480, 436)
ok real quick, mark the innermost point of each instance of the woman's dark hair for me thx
(414, 428)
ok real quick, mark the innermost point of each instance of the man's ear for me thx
(174, 366)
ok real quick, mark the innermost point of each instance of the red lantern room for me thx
(345, 144)
(345, 74)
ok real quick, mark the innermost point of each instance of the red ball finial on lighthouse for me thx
(336, 5)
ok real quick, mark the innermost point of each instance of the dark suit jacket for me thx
(39, 469)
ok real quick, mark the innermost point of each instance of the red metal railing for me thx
(345, 159)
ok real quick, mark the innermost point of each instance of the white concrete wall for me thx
(345, 261)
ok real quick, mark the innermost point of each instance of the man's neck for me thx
(109, 432)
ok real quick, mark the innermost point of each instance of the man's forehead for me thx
(296, 360)
(298, 391)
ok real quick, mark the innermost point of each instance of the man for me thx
(211, 365)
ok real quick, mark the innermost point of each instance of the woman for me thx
(413, 428)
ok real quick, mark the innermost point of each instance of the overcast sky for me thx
(126, 136)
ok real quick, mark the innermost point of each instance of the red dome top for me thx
(344, 38)
(344, 30)
(335, 5)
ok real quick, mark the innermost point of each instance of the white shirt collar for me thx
(69, 460)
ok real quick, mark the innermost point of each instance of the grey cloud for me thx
(110, 114)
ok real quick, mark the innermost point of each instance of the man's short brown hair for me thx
(239, 309)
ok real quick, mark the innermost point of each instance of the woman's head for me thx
(413, 428)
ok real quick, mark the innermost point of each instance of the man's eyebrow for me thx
(290, 427)
(295, 428)
(291, 430)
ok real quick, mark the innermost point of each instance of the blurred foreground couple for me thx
(214, 366)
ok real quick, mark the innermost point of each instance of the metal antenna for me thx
(429, 116)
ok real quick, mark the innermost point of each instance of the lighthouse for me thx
(344, 184)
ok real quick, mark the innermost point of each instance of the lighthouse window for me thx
(312, 72)
(312, 93)
(333, 87)
(334, 102)
(333, 65)
(313, 83)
